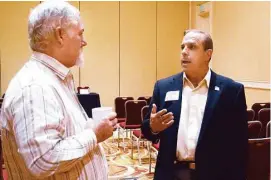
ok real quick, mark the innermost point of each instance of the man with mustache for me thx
(46, 134)
(199, 119)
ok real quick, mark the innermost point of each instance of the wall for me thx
(241, 35)
(130, 44)
(13, 38)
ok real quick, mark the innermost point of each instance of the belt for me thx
(187, 164)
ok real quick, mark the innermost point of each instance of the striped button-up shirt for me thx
(193, 106)
(45, 134)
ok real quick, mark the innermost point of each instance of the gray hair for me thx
(45, 18)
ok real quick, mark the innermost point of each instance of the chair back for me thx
(144, 112)
(254, 129)
(250, 115)
(120, 105)
(133, 111)
(146, 98)
(259, 159)
(268, 129)
(156, 146)
(257, 107)
(264, 118)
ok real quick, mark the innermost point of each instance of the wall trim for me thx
(256, 85)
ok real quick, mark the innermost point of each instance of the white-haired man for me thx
(46, 133)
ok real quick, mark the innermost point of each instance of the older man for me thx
(199, 118)
(46, 133)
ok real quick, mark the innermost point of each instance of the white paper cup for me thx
(100, 113)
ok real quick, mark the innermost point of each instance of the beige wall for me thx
(149, 43)
(137, 48)
(13, 38)
(256, 95)
(241, 34)
(172, 21)
(242, 40)
(242, 44)
(130, 44)
(101, 69)
(193, 15)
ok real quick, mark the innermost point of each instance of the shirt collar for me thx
(59, 69)
(207, 78)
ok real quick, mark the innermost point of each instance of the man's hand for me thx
(105, 128)
(161, 120)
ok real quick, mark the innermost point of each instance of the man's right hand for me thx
(105, 128)
(161, 120)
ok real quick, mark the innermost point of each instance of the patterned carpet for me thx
(122, 166)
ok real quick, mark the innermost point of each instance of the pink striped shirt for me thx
(43, 126)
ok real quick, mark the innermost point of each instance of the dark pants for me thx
(183, 172)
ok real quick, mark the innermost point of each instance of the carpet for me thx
(122, 166)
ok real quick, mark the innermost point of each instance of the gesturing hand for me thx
(161, 120)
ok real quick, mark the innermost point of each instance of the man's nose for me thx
(84, 43)
(184, 51)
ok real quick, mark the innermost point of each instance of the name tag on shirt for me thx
(172, 96)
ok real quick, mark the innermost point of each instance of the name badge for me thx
(172, 96)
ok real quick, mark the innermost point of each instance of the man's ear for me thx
(209, 53)
(59, 35)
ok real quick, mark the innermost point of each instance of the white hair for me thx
(45, 18)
